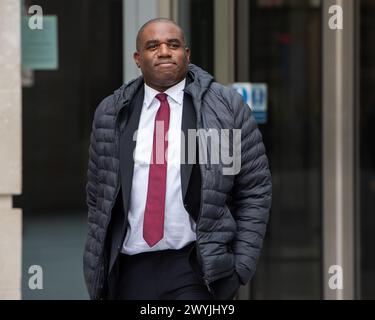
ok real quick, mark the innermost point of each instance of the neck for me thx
(162, 88)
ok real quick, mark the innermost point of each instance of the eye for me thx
(152, 46)
(173, 45)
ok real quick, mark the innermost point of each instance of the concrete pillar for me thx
(10, 149)
(339, 103)
(135, 14)
(224, 41)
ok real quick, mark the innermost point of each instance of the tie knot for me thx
(162, 97)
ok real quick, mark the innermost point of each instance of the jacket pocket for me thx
(232, 222)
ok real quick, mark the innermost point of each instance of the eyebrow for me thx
(157, 41)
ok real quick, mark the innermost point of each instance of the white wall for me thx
(10, 149)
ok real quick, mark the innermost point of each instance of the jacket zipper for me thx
(208, 146)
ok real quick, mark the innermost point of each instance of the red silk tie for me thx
(153, 221)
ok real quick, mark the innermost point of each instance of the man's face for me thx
(162, 55)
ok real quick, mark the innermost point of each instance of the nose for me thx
(164, 50)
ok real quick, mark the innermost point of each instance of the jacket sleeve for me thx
(92, 169)
(251, 192)
(91, 200)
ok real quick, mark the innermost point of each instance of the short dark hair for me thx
(138, 41)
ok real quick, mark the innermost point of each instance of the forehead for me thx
(161, 31)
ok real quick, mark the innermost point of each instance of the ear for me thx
(187, 50)
(136, 57)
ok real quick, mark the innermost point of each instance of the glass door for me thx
(58, 108)
(281, 47)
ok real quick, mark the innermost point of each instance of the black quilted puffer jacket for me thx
(234, 208)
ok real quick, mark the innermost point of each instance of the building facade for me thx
(315, 56)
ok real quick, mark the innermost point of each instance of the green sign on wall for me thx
(40, 46)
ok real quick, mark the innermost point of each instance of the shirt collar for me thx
(176, 93)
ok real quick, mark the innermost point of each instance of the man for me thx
(172, 229)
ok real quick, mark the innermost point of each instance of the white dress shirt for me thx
(179, 227)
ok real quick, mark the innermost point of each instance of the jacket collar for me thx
(200, 81)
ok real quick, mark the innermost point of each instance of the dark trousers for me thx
(160, 275)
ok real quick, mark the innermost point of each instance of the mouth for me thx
(165, 64)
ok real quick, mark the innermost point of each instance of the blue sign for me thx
(255, 95)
